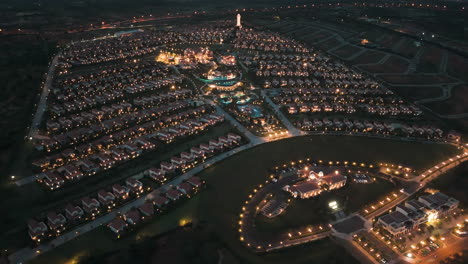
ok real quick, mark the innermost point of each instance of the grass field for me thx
(418, 93)
(230, 181)
(457, 103)
(454, 183)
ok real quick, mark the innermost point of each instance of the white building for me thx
(238, 21)
(416, 212)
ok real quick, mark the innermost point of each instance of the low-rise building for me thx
(160, 201)
(315, 183)
(107, 199)
(90, 206)
(147, 209)
(73, 213)
(234, 137)
(132, 217)
(416, 212)
(37, 230)
(156, 174)
(195, 181)
(178, 162)
(197, 152)
(304, 189)
(134, 185)
(56, 221)
(167, 167)
(185, 188)
(120, 191)
(52, 179)
(117, 225)
(173, 194)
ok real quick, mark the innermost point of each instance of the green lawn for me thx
(230, 181)
(454, 183)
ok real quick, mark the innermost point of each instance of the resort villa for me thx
(413, 213)
(313, 183)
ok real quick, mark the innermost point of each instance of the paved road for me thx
(278, 241)
(292, 129)
(436, 171)
(253, 138)
(259, 140)
(423, 179)
(298, 241)
(41, 107)
(456, 246)
(356, 251)
(28, 253)
(265, 242)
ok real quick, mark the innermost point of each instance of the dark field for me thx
(370, 56)
(346, 51)
(418, 93)
(456, 104)
(392, 65)
(417, 79)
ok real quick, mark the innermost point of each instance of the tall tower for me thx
(238, 21)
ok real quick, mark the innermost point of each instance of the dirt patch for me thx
(316, 37)
(408, 49)
(389, 40)
(393, 65)
(430, 59)
(331, 43)
(370, 56)
(457, 66)
(417, 79)
(456, 104)
(346, 51)
(418, 92)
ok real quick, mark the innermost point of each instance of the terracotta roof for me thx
(195, 181)
(117, 224)
(160, 201)
(147, 208)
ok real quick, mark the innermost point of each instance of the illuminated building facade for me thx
(315, 183)
(413, 213)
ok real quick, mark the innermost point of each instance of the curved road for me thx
(41, 107)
